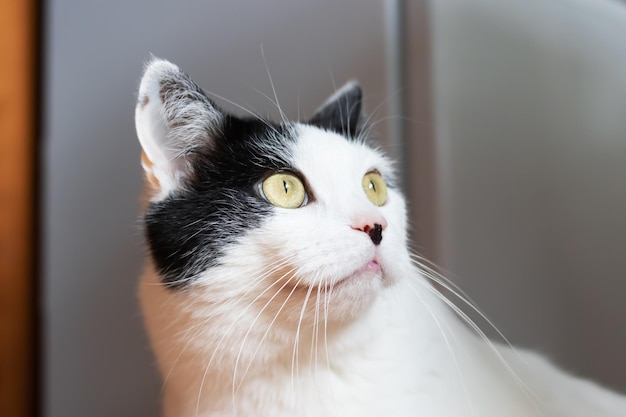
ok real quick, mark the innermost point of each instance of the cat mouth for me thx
(372, 267)
(368, 271)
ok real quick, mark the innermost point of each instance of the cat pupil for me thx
(286, 186)
(372, 186)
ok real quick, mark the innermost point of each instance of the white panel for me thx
(530, 105)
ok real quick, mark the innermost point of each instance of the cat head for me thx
(246, 213)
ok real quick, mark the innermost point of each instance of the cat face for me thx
(277, 218)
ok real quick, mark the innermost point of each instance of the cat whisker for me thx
(525, 388)
(342, 117)
(432, 274)
(328, 295)
(295, 357)
(455, 290)
(276, 102)
(243, 108)
(315, 338)
(313, 328)
(270, 99)
(298, 104)
(280, 309)
(252, 285)
(451, 349)
(367, 122)
(332, 77)
(247, 334)
(275, 267)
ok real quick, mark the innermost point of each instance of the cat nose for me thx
(375, 233)
(373, 229)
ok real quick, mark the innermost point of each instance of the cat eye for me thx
(284, 190)
(375, 188)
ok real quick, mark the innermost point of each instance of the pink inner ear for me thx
(147, 165)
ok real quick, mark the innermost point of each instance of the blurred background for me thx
(508, 117)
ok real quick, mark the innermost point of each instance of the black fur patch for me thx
(188, 231)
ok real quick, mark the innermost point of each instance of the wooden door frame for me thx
(19, 32)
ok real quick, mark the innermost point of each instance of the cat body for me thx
(279, 282)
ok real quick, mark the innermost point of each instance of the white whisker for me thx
(272, 269)
(267, 69)
(296, 346)
(457, 364)
(266, 333)
(525, 388)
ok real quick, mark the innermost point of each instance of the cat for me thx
(279, 280)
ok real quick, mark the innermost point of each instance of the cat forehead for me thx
(318, 151)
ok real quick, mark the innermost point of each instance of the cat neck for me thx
(404, 323)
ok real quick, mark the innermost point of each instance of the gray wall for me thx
(530, 105)
(96, 357)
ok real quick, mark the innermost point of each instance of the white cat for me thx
(279, 281)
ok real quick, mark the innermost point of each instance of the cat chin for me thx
(371, 270)
(349, 298)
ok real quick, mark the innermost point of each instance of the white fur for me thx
(262, 334)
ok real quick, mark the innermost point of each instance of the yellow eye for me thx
(375, 188)
(284, 190)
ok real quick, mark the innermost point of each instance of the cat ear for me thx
(341, 112)
(173, 117)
